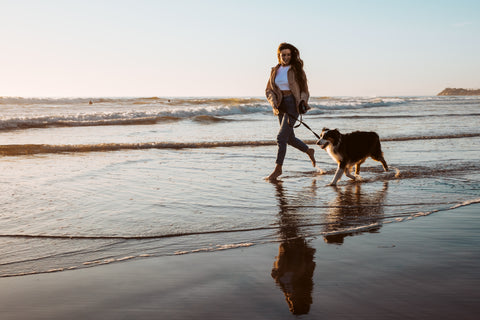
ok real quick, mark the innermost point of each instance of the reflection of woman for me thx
(286, 90)
(293, 272)
(294, 265)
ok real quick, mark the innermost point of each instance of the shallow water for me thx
(64, 210)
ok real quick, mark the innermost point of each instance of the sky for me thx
(165, 48)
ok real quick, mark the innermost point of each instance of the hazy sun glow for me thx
(226, 48)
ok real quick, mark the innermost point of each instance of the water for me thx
(89, 184)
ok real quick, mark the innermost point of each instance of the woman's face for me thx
(285, 57)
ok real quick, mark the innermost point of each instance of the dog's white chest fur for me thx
(333, 154)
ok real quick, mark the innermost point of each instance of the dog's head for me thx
(329, 137)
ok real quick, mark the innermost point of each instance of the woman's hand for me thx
(303, 107)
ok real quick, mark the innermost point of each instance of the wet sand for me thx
(427, 268)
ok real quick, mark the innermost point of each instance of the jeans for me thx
(285, 134)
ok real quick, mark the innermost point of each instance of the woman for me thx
(286, 90)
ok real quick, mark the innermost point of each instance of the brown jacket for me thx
(274, 94)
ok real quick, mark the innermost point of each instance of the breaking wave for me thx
(24, 113)
(107, 119)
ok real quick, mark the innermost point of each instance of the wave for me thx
(25, 113)
(398, 116)
(86, 258)
(436, 137)
(210, 119)
(79, 121)
(329, 104)
(116, 118)
(146, 118)
(29, 149)
(320, 102)
(205, 114)
(414, 213)
(129, 100)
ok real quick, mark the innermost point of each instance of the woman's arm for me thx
(305, 94)
(270, 93)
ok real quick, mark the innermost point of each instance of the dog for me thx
(351, 149)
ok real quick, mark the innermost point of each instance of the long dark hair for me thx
(296, 63)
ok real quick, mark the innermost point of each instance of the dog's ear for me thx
(335, 134)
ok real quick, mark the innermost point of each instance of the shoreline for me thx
(426, 268)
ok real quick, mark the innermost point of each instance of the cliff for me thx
(459, 92)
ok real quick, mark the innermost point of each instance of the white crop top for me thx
(281, 79)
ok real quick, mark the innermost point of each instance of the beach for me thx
(424, 269)
(147, 208)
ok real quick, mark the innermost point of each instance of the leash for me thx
(301, 122)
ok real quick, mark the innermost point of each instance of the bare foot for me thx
(311, 154)
(275, 174)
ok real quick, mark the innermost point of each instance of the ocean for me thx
(87, 184)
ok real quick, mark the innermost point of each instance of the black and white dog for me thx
(351, 149)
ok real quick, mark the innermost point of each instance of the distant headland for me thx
(459, 92)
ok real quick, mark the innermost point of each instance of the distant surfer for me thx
(286, 89)
(90, 102)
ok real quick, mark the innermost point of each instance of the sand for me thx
(426, 268)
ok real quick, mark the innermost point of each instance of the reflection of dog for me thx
(351, 149)
(354, 211)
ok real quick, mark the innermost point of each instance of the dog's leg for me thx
(382, 160)
(357, 169)
(384, 164)
(338, 175)
(378, 156)
(348, 173)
